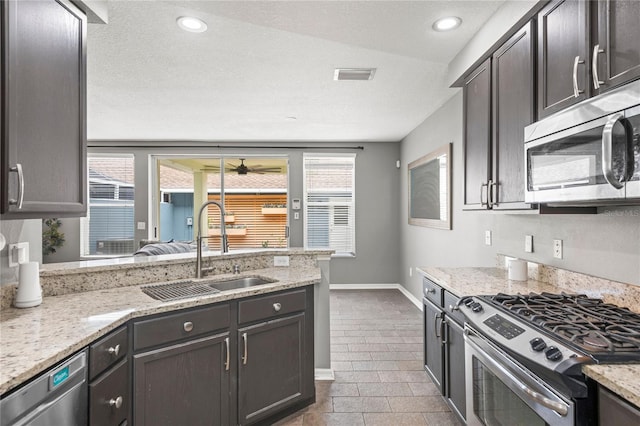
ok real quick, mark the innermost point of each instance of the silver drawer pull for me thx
(188, 326)
(117, 402)
(277, 307)
(114, 350)
(430, 290)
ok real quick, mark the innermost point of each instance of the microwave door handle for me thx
(607, 158)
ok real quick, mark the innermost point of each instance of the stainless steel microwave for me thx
(588, 154)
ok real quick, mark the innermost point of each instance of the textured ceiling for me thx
(262, 62)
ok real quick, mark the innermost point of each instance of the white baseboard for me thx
(324, 374)
(398, 287)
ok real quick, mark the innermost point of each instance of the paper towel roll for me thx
(29, 292)
(518, 270)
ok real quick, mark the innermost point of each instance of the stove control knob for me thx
(553, 354)
(476, 307)
(537, 344)
(468, 302)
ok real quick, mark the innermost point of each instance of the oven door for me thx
(588, 162)
(502, 392)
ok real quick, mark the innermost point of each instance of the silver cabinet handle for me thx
(607, 160)
(188, 326)
(435, 324)
(483, 185)
(20, 200)
(492, 193)
(576, 90)
(277, 307)
(114, 350)
(594, 67)
(245, 355)
(430, 290)
(226, 363)
(117, 402)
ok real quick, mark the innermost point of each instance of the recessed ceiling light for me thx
(447, 24)
(191, 24)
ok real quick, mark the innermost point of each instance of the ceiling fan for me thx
(243, 169)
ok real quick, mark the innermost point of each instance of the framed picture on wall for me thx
(430, 189)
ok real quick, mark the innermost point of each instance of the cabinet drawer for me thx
(265, 307)
(451, 301)
(185, 324)
(107, 351)
(432, 291)
(109, 397)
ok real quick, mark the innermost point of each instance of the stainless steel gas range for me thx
(524, 354)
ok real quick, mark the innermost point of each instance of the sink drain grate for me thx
(179, 290)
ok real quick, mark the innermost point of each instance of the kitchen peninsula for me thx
(84, 301)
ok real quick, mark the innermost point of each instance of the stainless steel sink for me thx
(238, 283)
(194, 288)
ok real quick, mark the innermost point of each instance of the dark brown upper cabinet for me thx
(499, 101)
(563, 55)
(616, 50)
(513, 94)
(477, 136)
(43, 109)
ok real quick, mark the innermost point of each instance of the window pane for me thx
(109, 228)
(329, 202)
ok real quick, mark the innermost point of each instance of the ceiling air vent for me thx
(354, 73)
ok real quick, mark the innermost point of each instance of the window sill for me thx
(343, 256)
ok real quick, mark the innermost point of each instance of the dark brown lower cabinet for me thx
(271, 373)
(109, 397)
(613, 410)
(183, 384)
(444, 345)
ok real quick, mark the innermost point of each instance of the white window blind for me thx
(108, 229)
(329, 208)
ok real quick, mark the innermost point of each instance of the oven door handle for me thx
(557, 406)
(607, 157)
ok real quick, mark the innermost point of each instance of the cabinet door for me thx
(109, 397)
(433, 349)
(271, 372)
(562, 39)
(44, 132)
(456, 390)
(183, 384)
(477, 136)
(619, 39)
(513, 109)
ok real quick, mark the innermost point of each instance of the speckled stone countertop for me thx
(623, 379)
(35, 339)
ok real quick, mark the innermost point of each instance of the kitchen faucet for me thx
(223, 236)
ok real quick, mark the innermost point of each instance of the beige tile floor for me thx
(376, 353)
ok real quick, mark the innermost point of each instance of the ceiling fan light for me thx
(447, 23)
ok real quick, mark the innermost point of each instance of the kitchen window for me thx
(108, 229)
(329, 208)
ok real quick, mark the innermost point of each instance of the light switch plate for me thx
(280, 260)
(142, 226)
(528, 243)
(487, 237)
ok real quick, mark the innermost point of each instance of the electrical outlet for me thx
(487, 237)
(557, 249)
(280, 260)
(296, 215)
(18, 253)
(528, 243)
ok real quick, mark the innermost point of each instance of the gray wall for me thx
(605, 245)
(16, 231)
(377, 229)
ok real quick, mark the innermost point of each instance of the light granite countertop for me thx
(623, 379)
(35, 339)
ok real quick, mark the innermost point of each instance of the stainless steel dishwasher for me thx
(56, 397)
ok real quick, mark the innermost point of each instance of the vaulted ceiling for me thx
(263, 71)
